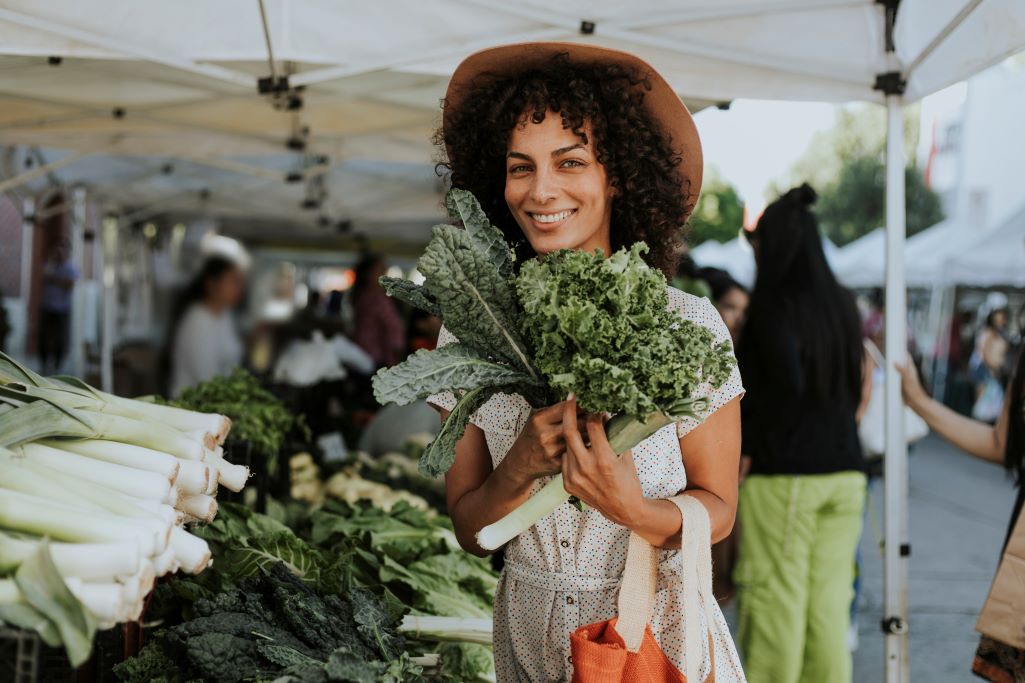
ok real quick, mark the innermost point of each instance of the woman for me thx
(801, 505)
(205, 343)
(1003, 443)
(578, 147)
(730, 297)
(987, 363)
(377, 327)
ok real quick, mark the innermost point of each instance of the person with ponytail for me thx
(802, 502)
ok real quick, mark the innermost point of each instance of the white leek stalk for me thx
(106, 601)
(233, 477)
(623, 432)
(42, 517)
(134, 482)
(166, 562)
(87, 561)
(124, 454)
(448, 629)
(191, 552)
(201, 507)
(178, 418)
(195, 477)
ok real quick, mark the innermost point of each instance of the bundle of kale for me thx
(276, 627)
(567, 322)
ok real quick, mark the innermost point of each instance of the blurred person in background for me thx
(730, 297)
(987, 364)
(801, 505)
(424, 328)
(204, 340)
(1002, 444)
(377, 327)
(59, 275)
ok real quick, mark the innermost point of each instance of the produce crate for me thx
(25, 658)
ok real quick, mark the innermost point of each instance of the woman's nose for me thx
(543, 190)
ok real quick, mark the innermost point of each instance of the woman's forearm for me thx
(977, 438)
(502, 492)
(659, 521)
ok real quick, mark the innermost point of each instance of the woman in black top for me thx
(801, 505)
(1003, 443)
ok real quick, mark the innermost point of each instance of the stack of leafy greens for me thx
(95, 491)
(374, 575)
(257, 416)
(568, 322)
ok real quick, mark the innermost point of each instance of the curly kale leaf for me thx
(455, 367)
(601, 328)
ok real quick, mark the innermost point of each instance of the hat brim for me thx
(661, 101)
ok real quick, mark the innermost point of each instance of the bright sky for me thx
(756, 141)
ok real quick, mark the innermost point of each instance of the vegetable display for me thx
(94, 494)
(257, 416)
(568, 322)
(356, 593)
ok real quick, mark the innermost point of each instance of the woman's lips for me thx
(550, 220)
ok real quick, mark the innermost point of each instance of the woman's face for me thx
(225, 292)
(556, 190)
(732, 306)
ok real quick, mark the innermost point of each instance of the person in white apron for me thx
(577, 147)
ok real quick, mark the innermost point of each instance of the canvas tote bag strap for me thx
(875, 353)
(640, 576)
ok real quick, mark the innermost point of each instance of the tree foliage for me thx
(719, 214)
(847, 167)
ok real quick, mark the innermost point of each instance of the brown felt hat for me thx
(662, 102)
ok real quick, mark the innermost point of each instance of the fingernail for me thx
(571, 397)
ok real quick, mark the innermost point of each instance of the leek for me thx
(134, 482)
(124, 454)
(623, 433)
(86, 561)
(448, 629)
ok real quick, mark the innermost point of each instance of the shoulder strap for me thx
(640, 576)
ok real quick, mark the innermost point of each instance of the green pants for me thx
(795, 575)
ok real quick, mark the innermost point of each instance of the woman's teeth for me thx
(551, 217)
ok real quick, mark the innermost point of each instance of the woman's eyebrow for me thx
(564, 150)
(518, 155)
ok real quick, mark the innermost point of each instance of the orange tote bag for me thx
(623, 649)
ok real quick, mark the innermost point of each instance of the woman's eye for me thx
(519, 169)
(572, 163)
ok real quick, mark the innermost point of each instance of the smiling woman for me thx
(574, 147)
(518, 141)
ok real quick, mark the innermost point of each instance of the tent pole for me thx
(109, 237)
(897, 548)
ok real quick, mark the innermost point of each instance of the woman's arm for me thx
(610, 484)
(478, 495)
(975, 437)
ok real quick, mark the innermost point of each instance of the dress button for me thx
(570, 659)
(564, 543)
(569, 599)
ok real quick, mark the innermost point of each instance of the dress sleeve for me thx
(491, 416)
(704, 314)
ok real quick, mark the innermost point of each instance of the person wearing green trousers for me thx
(802, 501)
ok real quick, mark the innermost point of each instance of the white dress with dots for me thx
(565, 572)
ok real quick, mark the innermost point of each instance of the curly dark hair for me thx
(651, 203)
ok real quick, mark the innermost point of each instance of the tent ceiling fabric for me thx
(185, 73)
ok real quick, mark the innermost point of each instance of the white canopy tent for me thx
(180, 80)
(997, 259)
(737, 258)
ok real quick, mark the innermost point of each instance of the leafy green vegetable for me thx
(416, 296)
(488, 238)
(601, 328)
(257, 416)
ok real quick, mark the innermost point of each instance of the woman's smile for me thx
(550, 220)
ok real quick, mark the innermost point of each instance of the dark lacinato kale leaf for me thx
(223, 657)
(487, 237)
(375, 622)
(417, 296)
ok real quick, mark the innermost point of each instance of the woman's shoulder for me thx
(697, 309)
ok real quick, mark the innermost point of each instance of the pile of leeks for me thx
(95, 493)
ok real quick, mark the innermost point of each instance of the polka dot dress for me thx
(564, 573)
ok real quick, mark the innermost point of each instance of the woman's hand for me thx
(595, 474)
(910, 385)
(539, 448)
